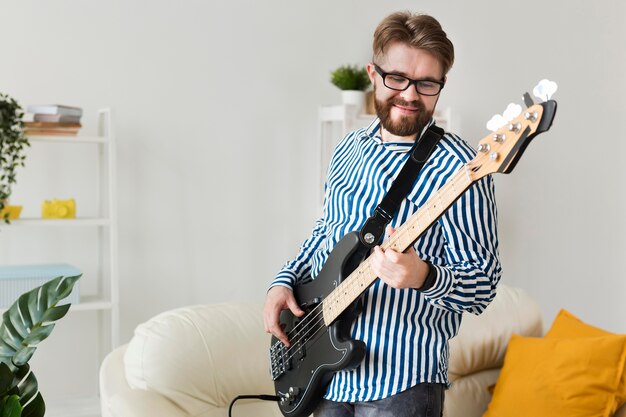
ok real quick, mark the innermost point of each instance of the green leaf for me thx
(11, 406)
(28, 385)
(38, 334)
(35, 408)
(17, 324)
(23, 321)
(6, 378)
(55, 313)
(23, 355)
(22, 304)
(59, 288)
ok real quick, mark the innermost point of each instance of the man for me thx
(411, 312)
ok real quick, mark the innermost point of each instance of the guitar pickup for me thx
(315, 301)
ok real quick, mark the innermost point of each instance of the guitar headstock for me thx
(501, 150)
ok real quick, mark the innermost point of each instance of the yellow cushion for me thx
(554, 377)
(567, 325)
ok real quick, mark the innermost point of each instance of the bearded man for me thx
(415, 306)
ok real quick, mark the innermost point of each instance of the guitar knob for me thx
(483, 147)
(531, 116)
(293, 391)
(515, 127)
(499, 137)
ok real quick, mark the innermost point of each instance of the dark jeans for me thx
(422, 400)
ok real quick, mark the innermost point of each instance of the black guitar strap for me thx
(374, 228)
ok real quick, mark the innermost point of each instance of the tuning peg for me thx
(512, 111)
(532, 116)
(515, 127)
(545, 89)
(496, 122)
(483, 147)
(528, 101)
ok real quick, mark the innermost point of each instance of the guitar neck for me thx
(363, 277)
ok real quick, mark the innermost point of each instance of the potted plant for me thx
(352, 80)
(13, 142)
(26, 323)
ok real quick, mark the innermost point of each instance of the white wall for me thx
(216, 105)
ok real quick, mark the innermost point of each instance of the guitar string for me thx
(349, 287)
(312, 326)
(392, 241)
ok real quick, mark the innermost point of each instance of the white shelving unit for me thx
(104, 302)
(337, 121)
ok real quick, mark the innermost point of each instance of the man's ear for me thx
(371, 72)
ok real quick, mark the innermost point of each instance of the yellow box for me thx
(13, 211)
(58, 209)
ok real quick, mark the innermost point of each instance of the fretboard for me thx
(362, 277)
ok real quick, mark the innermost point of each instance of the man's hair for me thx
(416, 30)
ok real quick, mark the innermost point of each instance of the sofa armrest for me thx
(112, 376)
(136, 402)
(468, 395)
(482, 340)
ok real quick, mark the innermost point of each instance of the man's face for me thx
(405, 113)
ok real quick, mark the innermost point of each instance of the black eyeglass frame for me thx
(384, 75)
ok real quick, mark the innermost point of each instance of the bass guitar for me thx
(320, 339)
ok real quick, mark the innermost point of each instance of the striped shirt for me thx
(406, 331)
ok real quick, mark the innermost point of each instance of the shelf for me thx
(93, 221)
(87, 303)
(100, 224)
(73, 139)
(91, 303)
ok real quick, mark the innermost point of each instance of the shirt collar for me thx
(373, 132)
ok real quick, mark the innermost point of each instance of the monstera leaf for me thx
(9, 400)
(26, 323)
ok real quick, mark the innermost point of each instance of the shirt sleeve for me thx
(300, 267)
(467, 280)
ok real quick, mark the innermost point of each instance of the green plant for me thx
(25, 324)
(12, 144)
(350, 77)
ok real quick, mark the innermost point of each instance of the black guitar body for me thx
(302, 372)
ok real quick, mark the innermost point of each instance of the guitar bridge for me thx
(279, 362)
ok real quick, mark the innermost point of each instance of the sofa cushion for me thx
(201, 355)
(559, 377)
(482, 340)
(566, 325)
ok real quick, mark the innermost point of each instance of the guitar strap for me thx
(373, 230)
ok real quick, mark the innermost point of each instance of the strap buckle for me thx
(373, 230)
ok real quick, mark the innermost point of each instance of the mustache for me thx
(400, 102)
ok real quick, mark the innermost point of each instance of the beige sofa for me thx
(193, 361)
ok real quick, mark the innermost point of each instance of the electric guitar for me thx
(320, 339)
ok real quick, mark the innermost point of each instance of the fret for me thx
(362, 277)
(469, 176)
(404, 238)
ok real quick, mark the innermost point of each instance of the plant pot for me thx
(355, 98)
(13, 211)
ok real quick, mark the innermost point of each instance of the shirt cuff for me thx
(431, 277)
(284, 279)
(442, 285)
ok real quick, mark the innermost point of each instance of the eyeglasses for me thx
(401, 83)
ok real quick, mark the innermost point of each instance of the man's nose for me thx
(410, 94)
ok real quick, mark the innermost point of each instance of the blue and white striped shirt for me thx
(406, 331)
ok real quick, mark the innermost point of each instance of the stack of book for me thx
(52, 120)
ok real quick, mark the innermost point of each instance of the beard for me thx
(405, 125)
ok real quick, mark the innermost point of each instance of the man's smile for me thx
(406, 109)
